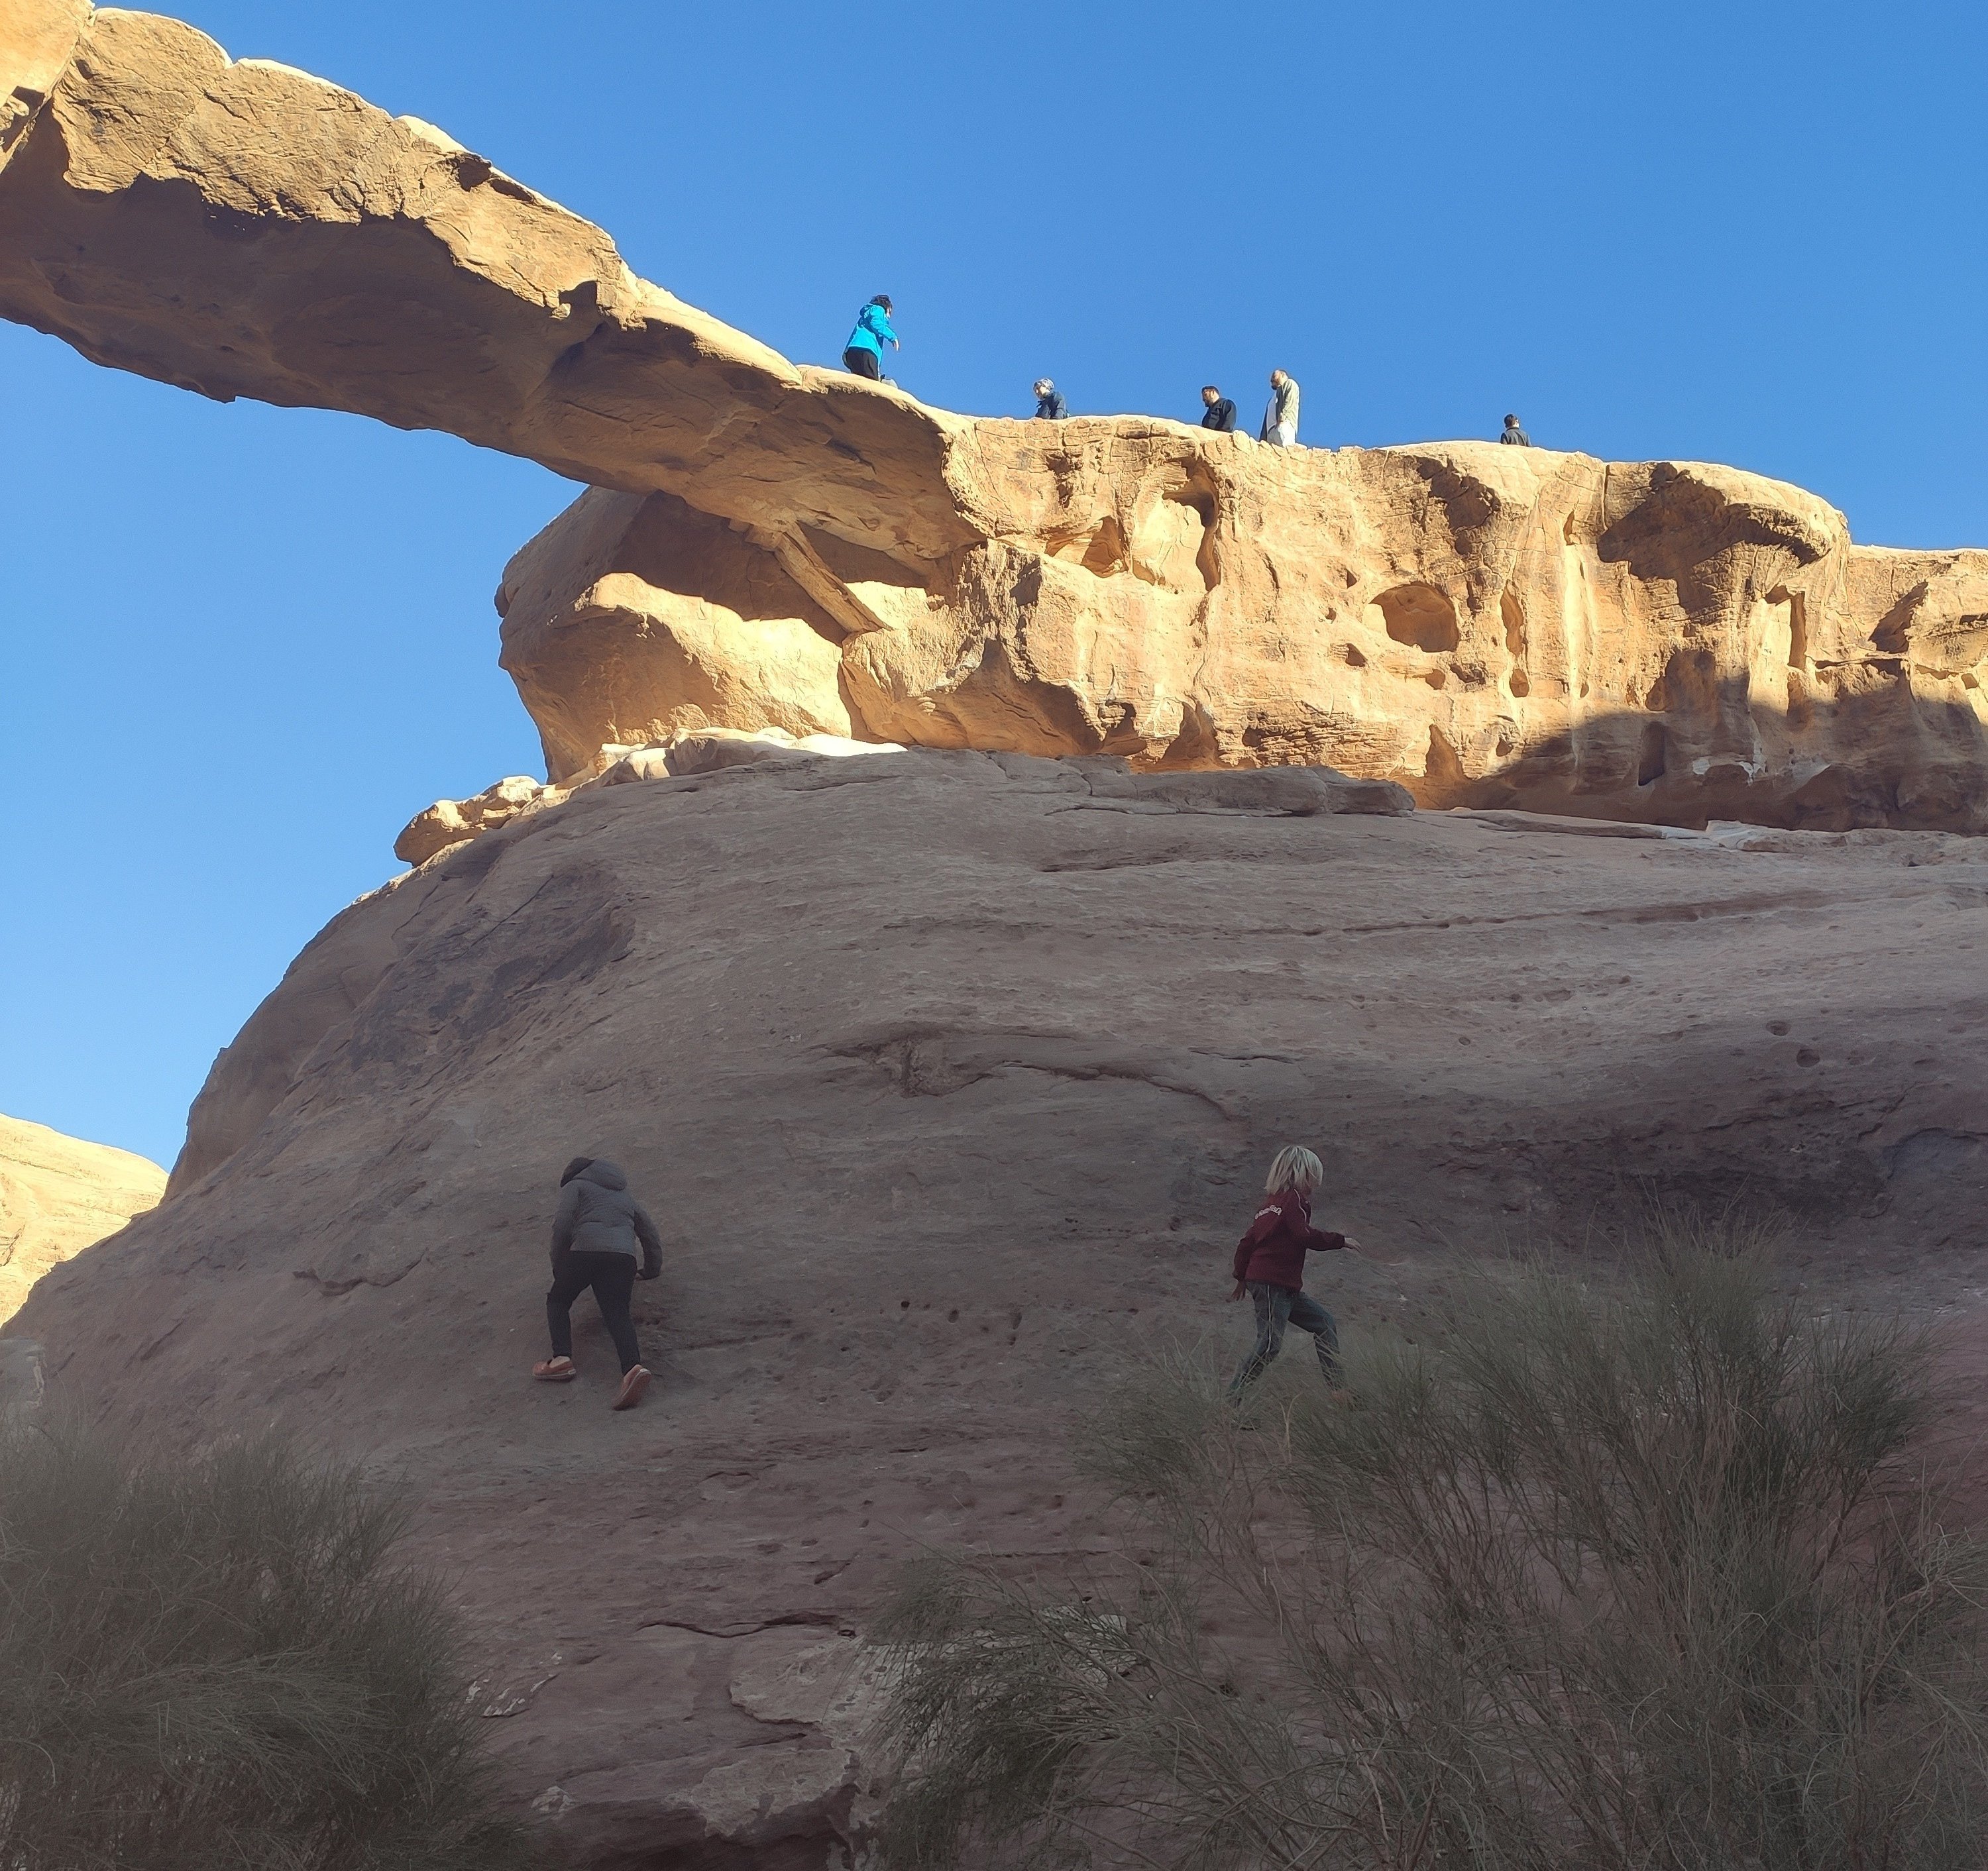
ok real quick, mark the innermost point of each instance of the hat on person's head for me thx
(574, 1168)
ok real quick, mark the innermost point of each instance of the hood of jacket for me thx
(607, 1175)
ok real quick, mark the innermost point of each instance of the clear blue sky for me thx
(241, 645)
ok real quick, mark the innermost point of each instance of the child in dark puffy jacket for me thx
(1269, 1267)
(599, 1234)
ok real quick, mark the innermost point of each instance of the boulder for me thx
(766, 545)
(57, 1195)
(950, 1079)
(449, 822)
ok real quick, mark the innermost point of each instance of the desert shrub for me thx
(1641, 1574)
(220, 1662)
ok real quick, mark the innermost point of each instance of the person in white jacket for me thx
(1280, 418)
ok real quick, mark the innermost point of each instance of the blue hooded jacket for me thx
(873, 330)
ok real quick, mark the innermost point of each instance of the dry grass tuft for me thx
(219, 1664)
(1639, 1573)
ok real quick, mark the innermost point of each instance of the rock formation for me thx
(1486, 625)
(773, 546)
(57, 1195)
(950, 1070)
(951, 1077)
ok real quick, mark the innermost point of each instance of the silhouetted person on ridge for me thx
(598, 1234)
(1514, 434)
(864, 354)
(1281, 415)
(1220, 413)
(1048, 401)
(1269, 1267)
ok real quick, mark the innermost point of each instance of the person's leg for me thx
(1274, 1306)
(1287, 434)
(864, 363)
(1308, 1316)
(568, 1284)
(613, 1282)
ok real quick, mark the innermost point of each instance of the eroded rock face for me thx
(1486, 625)
(795, 548)
(950, 1079)
(57, 1195)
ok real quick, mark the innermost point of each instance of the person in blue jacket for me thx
(864, 354)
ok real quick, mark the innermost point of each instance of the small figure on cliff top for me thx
(1269, 1267)
(1048, 401)
(1220, 413)
(864, 354)
(598, 1233)
(1514, 434)
(1280, 416)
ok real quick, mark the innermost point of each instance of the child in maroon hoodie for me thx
(1269, 1267)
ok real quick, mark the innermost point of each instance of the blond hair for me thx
(1294, 1167)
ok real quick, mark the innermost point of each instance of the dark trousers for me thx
(612, 1276)
(864, 363)
(1276, 1307)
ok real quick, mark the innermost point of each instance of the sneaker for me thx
(555, 1370)
(633, 1385)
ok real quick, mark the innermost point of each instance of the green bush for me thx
(1644, 1574)
(220, 1663)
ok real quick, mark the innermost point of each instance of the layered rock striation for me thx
(773, 546)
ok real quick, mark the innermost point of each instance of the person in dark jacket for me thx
(1220, 412)
(1269, 1267)
(1048, 401)
(1514, 434)
(598, 1234)
(864, 354)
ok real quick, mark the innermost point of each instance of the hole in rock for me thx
(1203, 508)
(1105, 552)
(1798, 604)
(1440, 767)
(1567, 530)
(1421, 616)
(1513, 614)
(1650, 759)
(1354, 659)
(1893, 633)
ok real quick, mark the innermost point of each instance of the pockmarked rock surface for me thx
(769, 544)
(57, 1195)
(951, 1077)
(1668, 641)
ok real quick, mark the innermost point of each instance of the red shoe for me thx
(633, 1384)
(555, 1370)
